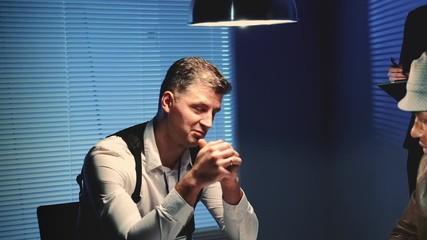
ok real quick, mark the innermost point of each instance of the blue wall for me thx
(312, 167)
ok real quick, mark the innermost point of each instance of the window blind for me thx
(73, 72)
(386, 25)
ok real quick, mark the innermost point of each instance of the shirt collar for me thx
(152, 156)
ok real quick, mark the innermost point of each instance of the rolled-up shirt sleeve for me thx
(240, 220)
(170, 216)
(236, 221)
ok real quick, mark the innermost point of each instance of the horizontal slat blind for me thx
(72, 72)
(386, 24)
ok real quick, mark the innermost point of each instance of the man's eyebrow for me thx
(201, 103)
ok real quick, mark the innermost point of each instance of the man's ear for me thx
(167, 101)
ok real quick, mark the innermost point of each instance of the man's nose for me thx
(207, 120)
(416, 130)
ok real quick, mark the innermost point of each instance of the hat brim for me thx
(414, 102)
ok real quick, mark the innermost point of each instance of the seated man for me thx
(413, 222)
(150, 191)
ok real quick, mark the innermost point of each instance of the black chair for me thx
(57, 221)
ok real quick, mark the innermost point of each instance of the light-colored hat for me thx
(415, 99)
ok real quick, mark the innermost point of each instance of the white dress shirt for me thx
(161, 213)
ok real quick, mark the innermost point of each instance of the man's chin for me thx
(193, 143)
(194, 140)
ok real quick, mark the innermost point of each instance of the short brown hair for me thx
(186, 70)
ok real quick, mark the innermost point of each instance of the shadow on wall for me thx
(312, 168)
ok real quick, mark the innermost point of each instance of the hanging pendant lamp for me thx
(242, 12)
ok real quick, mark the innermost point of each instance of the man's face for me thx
(419, 129)
(191, 114)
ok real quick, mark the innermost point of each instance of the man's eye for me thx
(199, 109)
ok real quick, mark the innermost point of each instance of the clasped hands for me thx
(217, 161)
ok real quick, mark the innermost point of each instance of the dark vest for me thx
(88, 225)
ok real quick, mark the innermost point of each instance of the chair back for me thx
(57, 221)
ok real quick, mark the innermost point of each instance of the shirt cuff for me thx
(239, 210)
(176, 206)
